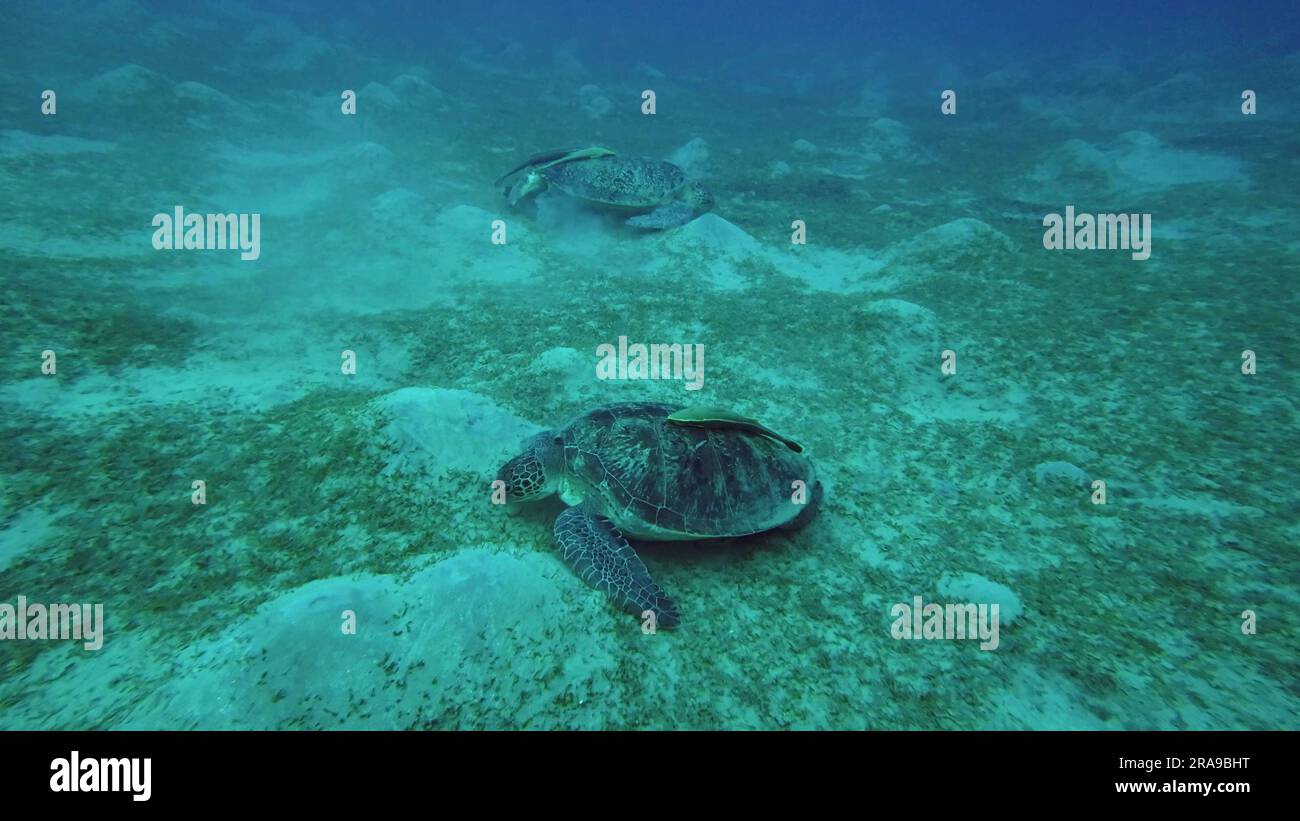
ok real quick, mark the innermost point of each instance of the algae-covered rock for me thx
(430, 431)
(482, 639)
(975, 589)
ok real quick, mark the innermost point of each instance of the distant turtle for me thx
(659, 473)
(655, 193)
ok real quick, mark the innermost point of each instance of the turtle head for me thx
(530, 183)
(699, 197)
(535, 472)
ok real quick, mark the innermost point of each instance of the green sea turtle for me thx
(634, 471)
(655, 193)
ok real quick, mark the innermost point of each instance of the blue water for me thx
(974, 316)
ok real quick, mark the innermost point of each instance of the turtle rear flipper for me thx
(809, 510)
(666, 216)
(599, 554)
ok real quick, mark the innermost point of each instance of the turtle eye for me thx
(559, 440)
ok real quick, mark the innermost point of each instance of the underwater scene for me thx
(720, 365)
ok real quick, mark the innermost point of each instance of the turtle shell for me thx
(618, 182)
(658, 480)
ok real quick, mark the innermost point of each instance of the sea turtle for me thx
(654, 192)
(658, 472)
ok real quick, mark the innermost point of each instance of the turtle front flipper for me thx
(665, 216)
(601, 557)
